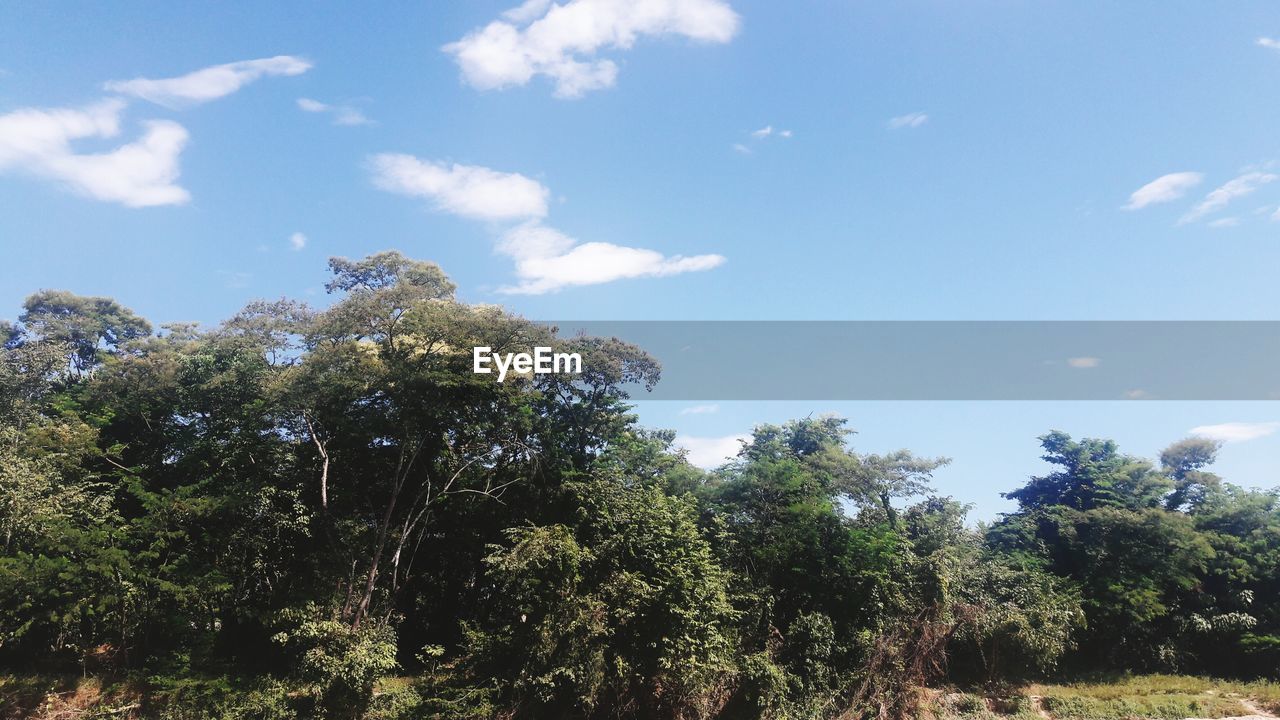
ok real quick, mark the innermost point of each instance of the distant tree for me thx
(1183, 461)
(85, 324)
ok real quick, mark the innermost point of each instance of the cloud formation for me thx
(1236, 431)
(1270, 43)
(297, 241)
(768, 130)
(1163, 189)
(466, 190)
(761, 135)
(561, 41)
(209, 83)
(342, 114)
(142, 173)
(700, 409)
(546, 259)
(1223, 195)
(1084, 363)
(910, 120)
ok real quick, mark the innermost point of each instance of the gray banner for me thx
(942, 360)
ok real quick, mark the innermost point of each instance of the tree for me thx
(84, 324)
(1183, 461)
(625, 607)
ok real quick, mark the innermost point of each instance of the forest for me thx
(324, 513)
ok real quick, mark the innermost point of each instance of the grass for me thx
(1158, 697)
(41, 697)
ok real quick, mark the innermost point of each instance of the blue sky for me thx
(610, 160)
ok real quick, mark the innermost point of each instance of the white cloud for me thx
(1163, 189)
(1236, 431)
(141, 173)
(740, 148)
(349, 116)
(467, 190)
(548, 260)
(710, 452)
(297, 241)
(561, 41)
(209, 83)
(768, 130)
(700, 410)
(910, 120)
(1136, 394)
(528, 12)
(1084, 362)
(1271, 43)
(1225, 222)
(313, 106)
(1232, 189)
(342, 114)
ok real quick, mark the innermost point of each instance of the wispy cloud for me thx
(208, 83)
(1267, 42)
(468, 190)
(546, 259)
(1236, 431)
(760, 135)
(768, 130)
(142, 173)
(1084, 363)
(341, 114)
(297, 241)
(1225, 222)
(1163, 189)
(910, 120)
(562, 41)
(1223, 195)
(710, 452)
(700, 410)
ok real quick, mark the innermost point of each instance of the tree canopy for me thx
(318, 504)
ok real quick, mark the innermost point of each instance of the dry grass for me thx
(1158, 697)
(65, 698)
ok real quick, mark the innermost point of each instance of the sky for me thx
(676, 159)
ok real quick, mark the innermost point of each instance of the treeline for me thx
(325, 513)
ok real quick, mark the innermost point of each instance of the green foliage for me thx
(1159, 557)
(627, 606)
(269, 518)
(85, 324)
(1162, 707)
(340, 664)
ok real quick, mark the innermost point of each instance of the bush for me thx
(339, 664)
